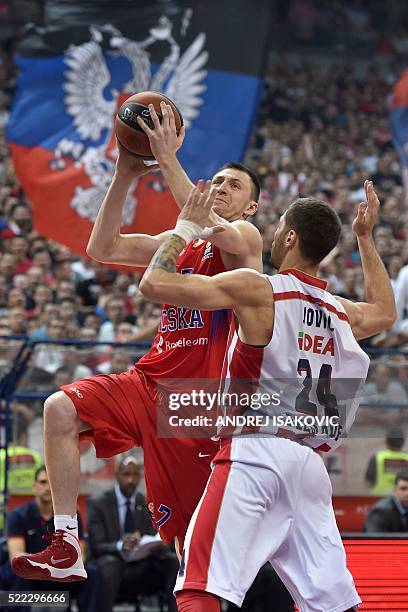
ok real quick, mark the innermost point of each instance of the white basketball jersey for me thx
(312, 371)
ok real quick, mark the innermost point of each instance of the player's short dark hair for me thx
(256, 186)
(38, 471)
(317, 225)
(401, 476)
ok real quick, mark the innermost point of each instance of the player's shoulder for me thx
(247, 274)
(246, 280)
(248, 229)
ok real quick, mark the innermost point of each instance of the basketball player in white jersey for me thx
(269, 496)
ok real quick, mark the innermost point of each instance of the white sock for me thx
(67, 523)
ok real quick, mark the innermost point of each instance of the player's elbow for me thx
(98, 254)
(386, 319)
(93, 251)
(389, 315)
(150, 288)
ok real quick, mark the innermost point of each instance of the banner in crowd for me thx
(399, 117)
(76, 71)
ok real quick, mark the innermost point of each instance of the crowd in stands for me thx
(305, 143)
(308, 143)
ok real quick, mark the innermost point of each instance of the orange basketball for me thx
(129, 133)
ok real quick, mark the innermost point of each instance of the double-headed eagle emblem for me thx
(91, 100)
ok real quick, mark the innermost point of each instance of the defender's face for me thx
(278, 244)
(234, 194)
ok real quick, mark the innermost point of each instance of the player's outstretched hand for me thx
(198, 208)
(367, 213)
(130, 164)
(164, 140)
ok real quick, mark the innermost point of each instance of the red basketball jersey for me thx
(190, 343)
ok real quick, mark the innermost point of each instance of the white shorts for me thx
(268, 499)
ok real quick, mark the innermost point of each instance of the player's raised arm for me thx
(379, 312)
(239, 238)
(161, 283)
(106, 243)
(164, 144)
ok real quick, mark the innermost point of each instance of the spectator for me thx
(73, 363)
(118, 519)
(42, 295)
(19, 248)
(384, 465)
(42, 259)
(62, 271)
(22, 416)
(67, 309)
(118, 363)
(7, 265)
(383, 390)
(27, 530)
(23, 464)
(94, 321)
(20, 221)
(51, 357)
(17, 321)
(16, 299)
(391, 514)
(83, 269)
(65, 289)
(62, 376)
(115, 313)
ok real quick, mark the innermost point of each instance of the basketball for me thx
(128, 132)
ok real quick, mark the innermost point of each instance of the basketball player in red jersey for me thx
(118, 412)
(269, 496)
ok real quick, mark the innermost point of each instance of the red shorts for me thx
(121, 411)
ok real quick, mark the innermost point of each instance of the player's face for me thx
(278, 245)
(401, 492)
(234, 194)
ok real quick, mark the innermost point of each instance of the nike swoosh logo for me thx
(201, 455)
(70, 528)
(55, 561)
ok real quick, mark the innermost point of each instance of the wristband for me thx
(187, 230)
(206, 232)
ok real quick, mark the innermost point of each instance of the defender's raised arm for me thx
(379, 312)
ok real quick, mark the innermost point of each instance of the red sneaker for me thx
(61, 561)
